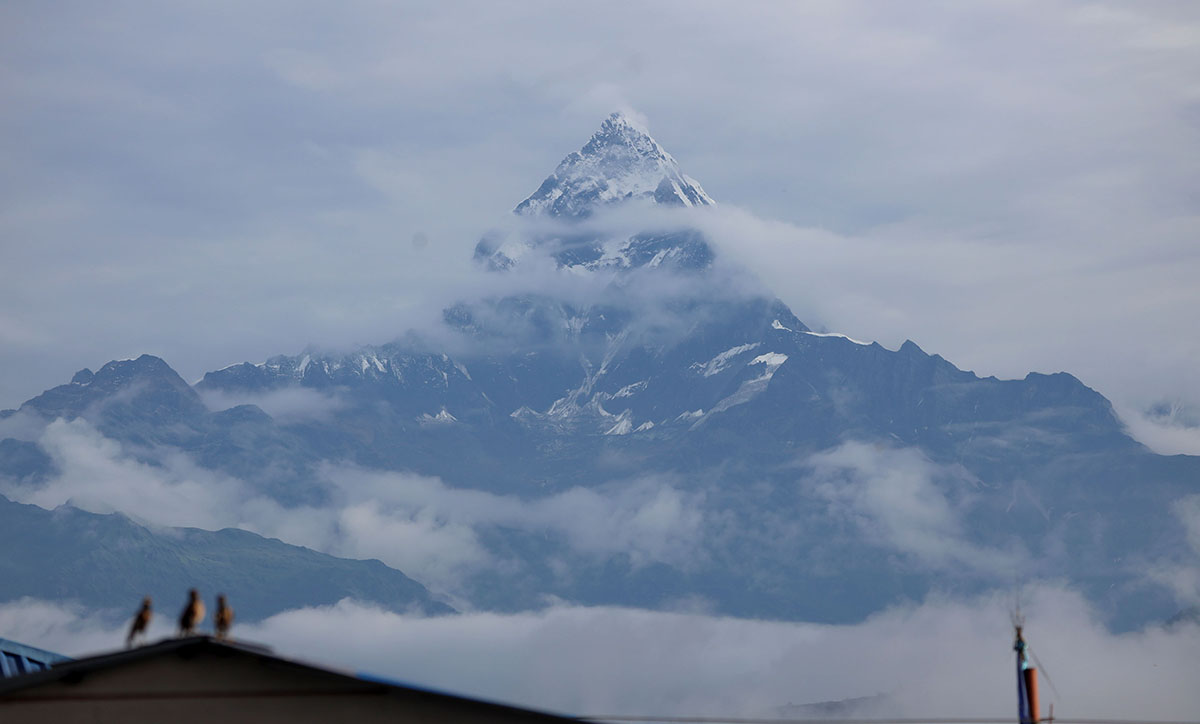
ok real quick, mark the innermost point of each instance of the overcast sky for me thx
(1012, 185)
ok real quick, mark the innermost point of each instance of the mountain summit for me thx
(620, 162)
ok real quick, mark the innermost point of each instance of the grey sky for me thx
(1011, 185)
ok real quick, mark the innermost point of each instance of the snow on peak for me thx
(442, 418)
(620, 162)
(633, 120)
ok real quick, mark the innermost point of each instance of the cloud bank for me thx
(419, 525)
(942, 658)
(892, 500)
(894, 496)
(285, 405)
(1164, 434)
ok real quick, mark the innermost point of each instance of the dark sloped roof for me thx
(74, 671)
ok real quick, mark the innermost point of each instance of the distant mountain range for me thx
(107, 561)
(798, 474)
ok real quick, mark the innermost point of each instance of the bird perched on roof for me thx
(193, 613)
(223, 618)
(141, 621)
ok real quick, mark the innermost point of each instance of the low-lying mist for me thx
(944, 657)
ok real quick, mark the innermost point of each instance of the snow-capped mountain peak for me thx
(620, 162)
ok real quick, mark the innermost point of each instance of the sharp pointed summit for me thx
(621, 162)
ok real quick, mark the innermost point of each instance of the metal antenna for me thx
(1018, 620)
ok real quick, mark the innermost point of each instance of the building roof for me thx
(187, 674)
(17, 658)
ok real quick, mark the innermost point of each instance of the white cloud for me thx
(1180, 573)
(22, 426)
(1164, 436)
(286, 405)
(417, 524)
(894, 497)
(942, 658)
(96, 474)
(1188, 511)
(647, 518)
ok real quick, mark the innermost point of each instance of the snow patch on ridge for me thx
(720, 362)
(834, 334)
(771, 359)
(749, 389)
(629, 390)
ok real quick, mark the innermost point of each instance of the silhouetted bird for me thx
(193, 613)
(223, 618)
(141, 621)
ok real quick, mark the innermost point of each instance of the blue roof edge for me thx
(32, 652)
